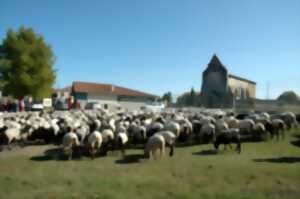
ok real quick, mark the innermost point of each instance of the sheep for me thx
(120, 142)
(221, 126)
(94, 143)
(298, 118)
(137, 134)
(208, 132)
(108, 139)
(278, 127)
(9, 135)
(186, 130)
(173, 127)
(154, 128)
(246, 126)
(290, 119)
(228, 136)
(70, 142)
(259, 131)
(82, 132)
(170, 139)
(232, 122)
(155, 142)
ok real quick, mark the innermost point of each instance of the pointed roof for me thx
(215, 65)
(215, 60)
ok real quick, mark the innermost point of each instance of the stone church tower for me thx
(215, 91)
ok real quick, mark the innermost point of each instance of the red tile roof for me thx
(107, 89)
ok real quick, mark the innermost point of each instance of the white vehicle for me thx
(37, 107)
(154, 107)
(93, 105)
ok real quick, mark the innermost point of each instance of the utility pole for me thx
(268, 90)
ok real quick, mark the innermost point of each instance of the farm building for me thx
(109, 94)
(220, 89)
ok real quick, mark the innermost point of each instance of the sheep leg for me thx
(70, 154)
(225, 147)
(123, 150)
(171, 151)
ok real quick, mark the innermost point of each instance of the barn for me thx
(110, 95)
(220, 89)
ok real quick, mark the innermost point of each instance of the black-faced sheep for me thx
(227, 137)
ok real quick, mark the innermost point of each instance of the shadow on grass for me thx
(279, 160)
(131, 159)
(55, 154)
(296, 142)
(206, 152)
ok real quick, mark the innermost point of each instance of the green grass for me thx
(263, 170)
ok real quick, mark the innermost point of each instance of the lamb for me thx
(94, 143)
(70, 143)
(170, 139)
(229, 136)
(155, 142)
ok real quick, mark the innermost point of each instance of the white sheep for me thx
(246, 126)
(170, 139)
(94, 143)
(70, 141)
(10, 135)
(155, 143)
(173, 127)
(232, 122)
(208, 132)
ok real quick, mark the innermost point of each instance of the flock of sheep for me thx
(95, 132)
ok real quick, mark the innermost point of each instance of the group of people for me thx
(13, 105)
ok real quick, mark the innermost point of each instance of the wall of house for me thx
(241, 88)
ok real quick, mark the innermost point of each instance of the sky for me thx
(164, 45)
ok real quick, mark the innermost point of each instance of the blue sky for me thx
(164, 45)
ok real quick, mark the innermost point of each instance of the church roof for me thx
(241, 79)
(215, 60)
(215, 65)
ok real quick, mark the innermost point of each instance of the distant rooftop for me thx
(108, 89)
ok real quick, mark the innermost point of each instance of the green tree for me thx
(26, 65)
(167, 97)
(289, 97)
(192, 97)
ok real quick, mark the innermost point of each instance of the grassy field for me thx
(263, 170)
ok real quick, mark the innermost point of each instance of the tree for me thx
(192, 97)
(26, 65)
(167, 97)
(289, 97)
